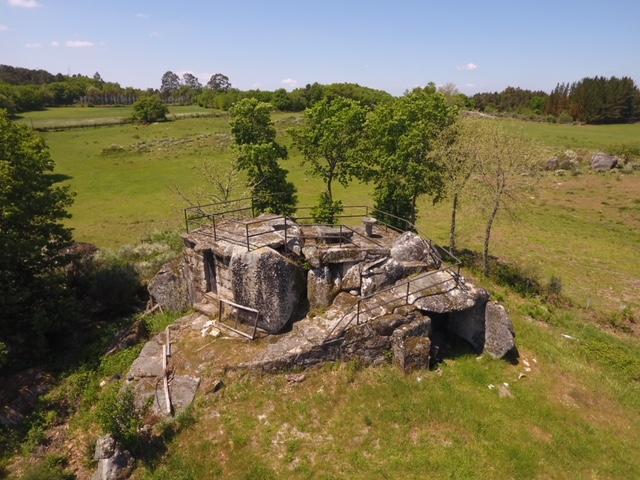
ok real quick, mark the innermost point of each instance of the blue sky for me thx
(393, 45)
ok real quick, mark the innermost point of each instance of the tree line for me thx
(590, 100)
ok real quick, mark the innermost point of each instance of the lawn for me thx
(575, 405)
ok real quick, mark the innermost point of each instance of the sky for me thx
(392, 45)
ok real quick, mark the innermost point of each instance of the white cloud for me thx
(154, 34)
(24, 3)
(33, 45)
(143, 16)
(55, 43)
(290, 82)
(3, 28)
(468, 66)
(78, 44)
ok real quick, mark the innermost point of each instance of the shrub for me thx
(114, 285)
(554, 288)
(149, 109)
(327, 210)
(564, 117)
(118, 416)
(625, 151)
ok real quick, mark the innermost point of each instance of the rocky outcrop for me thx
(487, 327)
(410, 247)
(113, 463)
(602, 162)
(169, 287)
(269, 282)
(411, 344)
(442, 292)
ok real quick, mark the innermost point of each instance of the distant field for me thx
(589, 137)
(574, 227)
(61, 117)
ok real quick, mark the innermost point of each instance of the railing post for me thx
(406, 301)
(358, 313)
(340, 235)
(215, 235)
(220, 311)
(186, 220)
(285, 234)
(246, 229)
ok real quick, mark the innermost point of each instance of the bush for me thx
(326, 211)
(118, 416)
(149, 109)
(625, 151)
(564, 117)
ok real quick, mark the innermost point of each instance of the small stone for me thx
(491, 386)
(504, 391)
(296, 378)
(521, 376)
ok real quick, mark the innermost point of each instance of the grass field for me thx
(66, 117)
(574, 414)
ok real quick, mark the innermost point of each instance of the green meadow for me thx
(574, 409)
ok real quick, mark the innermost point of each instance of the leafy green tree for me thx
(219, 83)
(169, 84)
(328, 142)
(33, 298)
(259, 155)
(399, 137)
(118, 416)
(191, 81)
(149, 108)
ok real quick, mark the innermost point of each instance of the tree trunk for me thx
(487, 237)
(452, 232)
(329, 190)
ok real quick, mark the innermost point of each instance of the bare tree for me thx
(220, 185)
(507, 164)
(457, 151)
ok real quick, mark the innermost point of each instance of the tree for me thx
(456, 152)
(506, 167)
(169, 84)
(219, 83)
(97, 78)
(259, 154)
(191, 81)
(34, 301)
(149, 108)
(399, 137)
(328, 140)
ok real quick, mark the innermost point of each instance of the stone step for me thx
(207, 309)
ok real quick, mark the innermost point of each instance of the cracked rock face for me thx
(410, 247)
(169, 288)
(603, 162)
(269, 282)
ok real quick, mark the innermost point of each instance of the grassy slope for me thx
(575, 415)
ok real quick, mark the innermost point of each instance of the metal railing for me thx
(405, 292)
(223, 301)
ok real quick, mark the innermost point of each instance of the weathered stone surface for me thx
(269, 282)
(499, 336)
(441, 292)
(351, 278)
(410, 247)
(553, 163)
(169, 287)
(381, 276)
(602, 162)
(487, 327)
(149, 362)
(105, 447)
(322, 286)
(411, 344)
(182, 390)
(117, 467)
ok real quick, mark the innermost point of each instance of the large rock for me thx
(442, 292)
(269, 282)
(411, 344)
(322, 286)
(410, 247)
(487, 327)
(602, 162)
(499, 335)
(553, 163)
(169, 287)
(116, 467)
